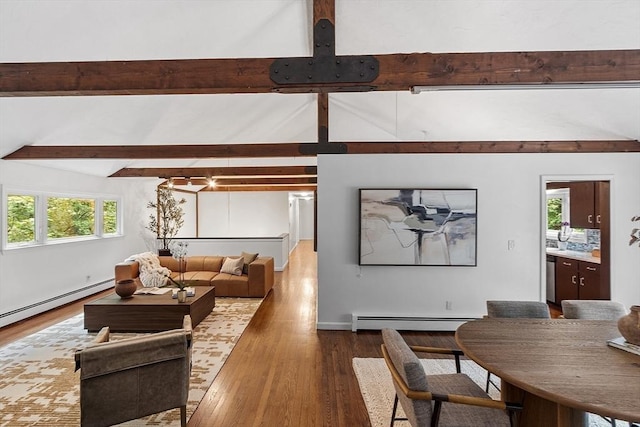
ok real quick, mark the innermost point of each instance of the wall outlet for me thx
(448, 305)
(511, 244)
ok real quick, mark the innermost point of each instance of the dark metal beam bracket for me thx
(324, 66)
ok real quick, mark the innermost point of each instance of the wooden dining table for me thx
(559, 369)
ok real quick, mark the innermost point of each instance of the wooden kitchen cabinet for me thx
(589, 203)
(579, 280)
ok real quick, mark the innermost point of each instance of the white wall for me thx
(509, 188)
(31, 276)
(243, 214)
(189, 228)
(306, 219)
(294, 222)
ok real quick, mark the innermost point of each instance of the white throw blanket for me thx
(152, 274)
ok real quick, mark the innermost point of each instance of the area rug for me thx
(38, 385)
(377, 389)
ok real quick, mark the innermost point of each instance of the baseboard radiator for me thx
(407, 323)
(53, 302)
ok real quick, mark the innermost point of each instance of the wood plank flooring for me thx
(282, 372)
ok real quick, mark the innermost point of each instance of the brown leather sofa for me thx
(205, 271)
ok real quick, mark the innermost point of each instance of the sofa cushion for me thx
(204, 263)
(197, 278)
(231, 285)
(170, 263)
(232, 266)
(248, 259)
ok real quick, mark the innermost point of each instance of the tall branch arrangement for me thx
(166, 220)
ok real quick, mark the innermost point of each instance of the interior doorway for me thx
(576, 242)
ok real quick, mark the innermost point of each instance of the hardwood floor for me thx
(282, 372)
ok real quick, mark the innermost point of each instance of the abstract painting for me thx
(418, 227)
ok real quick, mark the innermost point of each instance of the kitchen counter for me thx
(580, 256)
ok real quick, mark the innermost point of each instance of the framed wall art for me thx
(418, 227)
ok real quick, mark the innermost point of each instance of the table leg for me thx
(542, 412)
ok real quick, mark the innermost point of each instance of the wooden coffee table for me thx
(148, 313)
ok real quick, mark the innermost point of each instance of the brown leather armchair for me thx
(134, 377)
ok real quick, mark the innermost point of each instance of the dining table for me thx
(558, 369)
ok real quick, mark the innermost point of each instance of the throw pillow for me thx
(248, 259)
(232, 266)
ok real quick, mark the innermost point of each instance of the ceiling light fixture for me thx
(632, 84)
(189, 183)
(170, 183)
(212, 182)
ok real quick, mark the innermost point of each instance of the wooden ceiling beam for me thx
(226, 182)
(309, 188)
(162, 151)
(479, 147)
(251, 75)
(324, 9)
(32, 152)
(205, 172)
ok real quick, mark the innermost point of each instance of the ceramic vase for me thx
(125, 288)
(629, 325)
(182, 296)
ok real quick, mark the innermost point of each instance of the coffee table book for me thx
(623, 344)
(151, 291)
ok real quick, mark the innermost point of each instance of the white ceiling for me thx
(63, 30)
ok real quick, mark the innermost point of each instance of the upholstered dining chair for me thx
(515, 309)
(592, 309)
(134, 377)
(439, 400)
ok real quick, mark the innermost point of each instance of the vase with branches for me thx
(167, 218)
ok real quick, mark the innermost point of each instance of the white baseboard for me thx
(333, 326)
(407, 323)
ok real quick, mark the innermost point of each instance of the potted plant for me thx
(166, 219)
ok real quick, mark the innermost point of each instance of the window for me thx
(21, 219)
(558, 203)
(109, 217)
(35, 219)
(68, 217)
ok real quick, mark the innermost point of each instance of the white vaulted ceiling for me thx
(99, 30)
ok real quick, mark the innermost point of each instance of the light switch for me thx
(511, 244)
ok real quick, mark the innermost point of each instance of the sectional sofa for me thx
(255, 280)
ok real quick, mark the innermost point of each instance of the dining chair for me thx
(515, 309)
(592, 309)
(450, 399)
(134, 377)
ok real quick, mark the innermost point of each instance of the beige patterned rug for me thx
(38, 386)
(377, 389)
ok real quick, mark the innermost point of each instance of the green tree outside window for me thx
(554, 213)
(21, 219)
(68, 217)
(109, 217)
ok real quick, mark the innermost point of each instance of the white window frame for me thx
(41, 198)
(564, 194)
